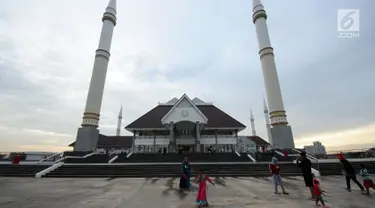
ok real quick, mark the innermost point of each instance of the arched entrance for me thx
(185, 133)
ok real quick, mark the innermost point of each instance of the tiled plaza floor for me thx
(164, 193)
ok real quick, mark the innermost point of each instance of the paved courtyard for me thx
(163, 193)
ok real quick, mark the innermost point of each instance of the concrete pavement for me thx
(164, 193)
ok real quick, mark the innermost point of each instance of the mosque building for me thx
(183, 122)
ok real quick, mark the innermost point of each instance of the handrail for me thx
(49, 169)
(113, 159)
(54, 155)
(129, 154)
(66, 157)
(307, 155)
(310, 156)
(249, 150)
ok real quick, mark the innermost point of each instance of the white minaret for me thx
(252, 123)
(118, 131)
(271, 81)
(267, 119)
(87, 136)
(99, 73)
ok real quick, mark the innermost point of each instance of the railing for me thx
(49, 169)
(66, 157)
(249, 151)
(52, 156)
(113, 159)
(349, 151)
(251, 154)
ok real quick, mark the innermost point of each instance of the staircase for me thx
(178, 158)
(167, 170)
(85, 164)
(101, 158)
(336, 168)
(10, 170)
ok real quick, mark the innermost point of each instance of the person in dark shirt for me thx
(350, 173)
(305, 164)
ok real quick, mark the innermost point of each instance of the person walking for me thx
(350, 174)
(305, 164)
(367, 179)
(275, 170)
(201, 199)
(318, 193)
(185, 175)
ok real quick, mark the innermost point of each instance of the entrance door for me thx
(185, 149)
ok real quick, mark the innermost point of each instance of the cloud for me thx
(350, 138)
(207, 49)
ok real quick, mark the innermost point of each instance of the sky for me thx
(162, 49)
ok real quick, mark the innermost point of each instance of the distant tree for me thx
(13, 154)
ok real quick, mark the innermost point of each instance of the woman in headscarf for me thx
(275, 170)
(185, 175)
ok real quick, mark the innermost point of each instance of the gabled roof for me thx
(258, 141)
(216, 118)
(184, 97)
(112, 142)
(198, 101)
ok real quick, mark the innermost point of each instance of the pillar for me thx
(88, 135)
(133, 147)
(171, 137)
(236, 135)
(154, 146)
(216, 145)
(197, 137)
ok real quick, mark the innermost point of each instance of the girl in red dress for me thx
(201, 199)
(318, 193)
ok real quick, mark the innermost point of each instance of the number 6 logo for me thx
(347, 21)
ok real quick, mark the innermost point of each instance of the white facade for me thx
(184, 110)
(185, 126)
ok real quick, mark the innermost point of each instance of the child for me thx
(367, 180)
(275, 170)
(318, 193)
(201, 199)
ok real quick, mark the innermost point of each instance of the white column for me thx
(216, 145)
(95, 93)
(268, 123)
(197, 137)
(134, 142)
(154, 148)
(118, 131)
(171, 137)
(236, 135)
(271, 80)
(252, 121)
